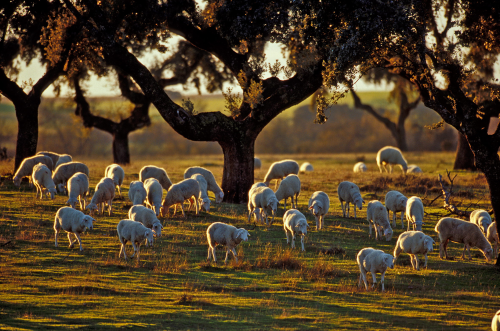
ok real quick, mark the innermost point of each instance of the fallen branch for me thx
(447, 194)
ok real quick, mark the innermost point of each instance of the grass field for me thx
(172, 287)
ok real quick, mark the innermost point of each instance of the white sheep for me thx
(212, 185)
(495, 322)
(461, 232)
(53, 156)
(415, 213)
(413, 243)
(359, 167)
(137, 193)
(134, 232)
(224, 234)
(63, 158)
(373, 261)
(492, 236)
(481, 218)
(147, 217)
(180, 192)
(289, 188)
(42, 178)
(306, 167)
(396, 202)
(391, 156)
(160, 174)
(64, 172)
(257, 164)
(26, 167)
(103, 195)
(294, 222)
(319, 204)
(154, 194)
(264, 199)
(116, 173)
(376, 215)
(349, 193)
(414, 169)
(78, 189)
(281, 169)
(72, 221)
(203, 200)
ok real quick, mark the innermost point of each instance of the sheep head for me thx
(149, 236)
(388, 261)
(157, 227)
(242, 234)
(388, 234)
(316, 208)
(301, 227)
(428, 244)
(88, 221)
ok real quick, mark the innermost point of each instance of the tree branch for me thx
(358, 104)
(447, 194)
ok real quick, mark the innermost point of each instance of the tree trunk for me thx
(121, 153)
(400, 137)
(238, 168)
(27, 134)
(464, 158)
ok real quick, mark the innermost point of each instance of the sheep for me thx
(373, 261)
(289, 187)
(258, 184)
(78, 189)
(319, 204)
(147, 217)
(63, 158)
(160, 174)
(104, 194)
(359, 167)
(396, 202)
(377, 215)
(280, 169)
(224, 234)
(154, 194)
(294, 222)
(53, 156)
(212, 185)
(495, 322)
(461, 232)
(203, 199)
(492, 236)
(64, 172)
(413, 243)
(414, 169)
(415, 213)
(306, 167)
(481, 218)
(72, 221)
(264, 199)
(116, 173)
(389, 156)
(179, 192)
(26, 167)
(137, 193)
(42, 178)
(349, 192)
(257, 164)
(134, 232)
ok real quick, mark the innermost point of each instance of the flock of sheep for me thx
(49, 170)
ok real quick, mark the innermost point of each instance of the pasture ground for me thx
(173, 287)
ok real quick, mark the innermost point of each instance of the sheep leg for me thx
(322, 221)
(402, 222)
(293, 240)
(71, 243)
(250, 211)
(442, 249)
(370, 229)
(354, 210)
(374, 276)
(122, 250)
(227, 255)
(342, 206)
(209, 252)
(182, 208)
(390, 168)
(234, 254)
(347, 208)
(79, 241)
(382, 281)
(196, 206)
(393, 218)
(109, 207)
(362, 277)
(466, 247)
(397, 251)
(302, 243)
(287, 236)
(135, 248)
(425, 266)
(318, 224)
(57, 233)
(119, 191)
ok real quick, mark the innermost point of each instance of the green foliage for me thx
(188, 106)
(233, 101)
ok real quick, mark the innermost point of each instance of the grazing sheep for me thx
(349, 193)
(414, 169)
(396, 202)
(413, 243)
(104, 194)
(154, 194)
(212, 185)
(495, 322)
(280, 169)
(224, 234)
(294, 222)
(116, 173)
(64, 172)
(306, 167)
(264, 199)
(461, 232)
(53, 156)
(289, 187)
(258, 184)
(180, 192)
(359, 167)
(415, 213)
(72, 221)
(147, 217)
(134, 232)
(481, 218)
(63, 158)
(390, 156)
(160, 174)
(319, 204)
(137, 193)
(26, 167)
(203, 200)
(257, 164)
(78, 189)
(377, 215)
(492, 236)
(373, 261)
(42, 178)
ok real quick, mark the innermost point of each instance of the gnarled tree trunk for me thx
(464, 158)
(121, 154)
(27, 134)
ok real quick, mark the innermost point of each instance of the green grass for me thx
(272, 287)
